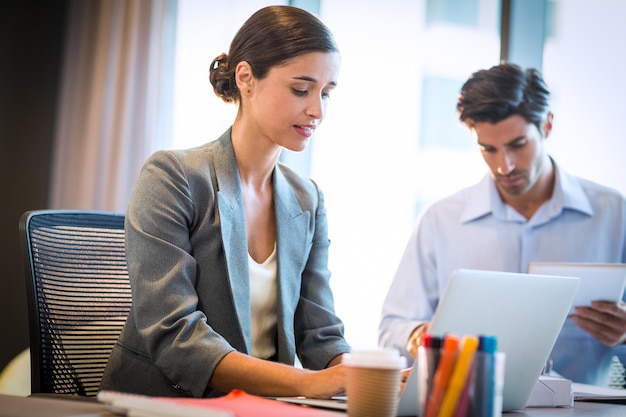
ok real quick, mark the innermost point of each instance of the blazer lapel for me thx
(291, 246)
(292, 235)
(233, 226)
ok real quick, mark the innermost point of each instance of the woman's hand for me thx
(325, 383)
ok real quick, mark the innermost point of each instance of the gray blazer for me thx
(188, 264)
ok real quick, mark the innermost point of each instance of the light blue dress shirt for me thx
(582, 222)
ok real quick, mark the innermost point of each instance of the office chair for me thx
(78, 296)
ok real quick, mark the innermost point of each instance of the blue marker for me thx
(482, 394)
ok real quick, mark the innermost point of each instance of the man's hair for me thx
(502, 91)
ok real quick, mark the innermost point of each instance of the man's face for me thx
(514, 152)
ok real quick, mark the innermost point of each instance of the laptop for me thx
(524, 311)
(599, 281)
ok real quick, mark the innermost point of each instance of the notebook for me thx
(524, 311)
(599, 281)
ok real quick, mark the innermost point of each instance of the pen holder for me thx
(461, 377)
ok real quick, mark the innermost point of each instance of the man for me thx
(528, 208)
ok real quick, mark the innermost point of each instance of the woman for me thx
(227, 248)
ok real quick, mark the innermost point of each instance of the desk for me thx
(587, 409)
(38, 406)
(49, 406)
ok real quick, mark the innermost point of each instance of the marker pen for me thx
(428, 360)
(432, 345)
(482, 393)
(462, 408)
(458, 379)
(442, 375)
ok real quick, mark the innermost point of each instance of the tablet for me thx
(598, 281)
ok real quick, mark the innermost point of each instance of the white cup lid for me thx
(375, 358)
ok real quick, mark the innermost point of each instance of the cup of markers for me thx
(460, 376)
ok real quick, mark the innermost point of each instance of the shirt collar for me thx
(568, 194)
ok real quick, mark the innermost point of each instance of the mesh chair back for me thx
(78, 296)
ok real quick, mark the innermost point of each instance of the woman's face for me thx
(288, 104)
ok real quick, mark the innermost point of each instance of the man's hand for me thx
(415, 340)
(604, 320)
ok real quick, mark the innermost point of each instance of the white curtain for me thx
(115, 101)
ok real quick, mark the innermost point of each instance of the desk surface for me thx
(12, 406)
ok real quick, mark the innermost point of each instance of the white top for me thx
(263, 306)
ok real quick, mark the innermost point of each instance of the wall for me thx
(31, 39)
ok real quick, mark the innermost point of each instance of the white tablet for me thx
(598, 281)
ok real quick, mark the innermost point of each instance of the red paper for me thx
(242, 404)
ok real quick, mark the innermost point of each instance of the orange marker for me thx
(443, 373)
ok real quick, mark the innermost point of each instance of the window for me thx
(204, 30)
(584, 61)
(452, 11)
(391, 142)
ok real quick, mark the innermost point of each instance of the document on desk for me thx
(236, 404)
(584, 392)
(134, 405)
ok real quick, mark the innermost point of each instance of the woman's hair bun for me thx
(219, 75)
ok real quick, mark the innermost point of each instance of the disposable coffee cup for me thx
(373, 382)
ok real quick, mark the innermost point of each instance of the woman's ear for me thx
(244, 78)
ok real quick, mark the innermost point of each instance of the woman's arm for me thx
(261, 377)
(319, 332)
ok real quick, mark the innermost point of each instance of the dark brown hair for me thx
(270, 37)
(502, 91)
